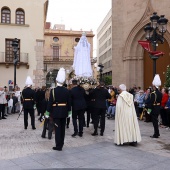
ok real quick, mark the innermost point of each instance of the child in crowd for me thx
(10, 105)
(48, 123)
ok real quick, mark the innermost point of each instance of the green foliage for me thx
(107, 80)
(167, 74)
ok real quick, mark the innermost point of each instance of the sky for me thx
(78, 14)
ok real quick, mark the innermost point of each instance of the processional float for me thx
(82, 64)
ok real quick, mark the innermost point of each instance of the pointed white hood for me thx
(61, 77)
(156, 81)
(28, 81)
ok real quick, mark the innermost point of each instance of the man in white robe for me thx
(126, 123)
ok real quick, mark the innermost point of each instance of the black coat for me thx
(156, 98)
(28, 93)
(44, 106)
(78, 98)
(100, 96)
(62, 95)
(90, 99)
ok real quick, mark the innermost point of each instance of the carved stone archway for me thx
(133, 53)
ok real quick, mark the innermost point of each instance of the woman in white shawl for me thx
(126, 123)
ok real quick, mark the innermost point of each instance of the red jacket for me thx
(164, 99)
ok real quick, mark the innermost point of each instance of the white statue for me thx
(82, 63)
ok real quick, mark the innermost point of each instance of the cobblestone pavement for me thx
(21, 148)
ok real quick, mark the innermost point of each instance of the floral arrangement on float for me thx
(85, 82)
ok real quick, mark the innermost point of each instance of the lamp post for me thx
(155, 34)
(15, 43)
(101, 66)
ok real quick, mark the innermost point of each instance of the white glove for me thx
(46, 116)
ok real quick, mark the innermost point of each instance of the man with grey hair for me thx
(126, 123)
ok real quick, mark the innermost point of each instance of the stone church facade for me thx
(130, 64)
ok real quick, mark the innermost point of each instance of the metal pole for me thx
(15, 69)
(154, 67)
(100, 75)
(154, 42)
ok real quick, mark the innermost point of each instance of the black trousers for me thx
(80, 115)
(88, 111)
(48, 125)
(168, 117)
(99, 113)
(31, 112)
(2, 110)
(154, 116)
(163, 116)
(59, 125)
(68, 121)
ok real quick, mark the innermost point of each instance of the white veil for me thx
(82, 63)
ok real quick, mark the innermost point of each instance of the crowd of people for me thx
(56, 106)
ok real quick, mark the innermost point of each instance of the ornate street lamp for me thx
(101, 66)
(15, 43)
(155, 34)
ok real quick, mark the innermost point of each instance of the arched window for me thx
(20, 16)
(5, 15)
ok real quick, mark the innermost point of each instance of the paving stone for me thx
(25, 149)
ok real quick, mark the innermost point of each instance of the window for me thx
(5, 15)
(55, 52)
(9, 56)
(20, 16)
(77, 39)
(55, 39)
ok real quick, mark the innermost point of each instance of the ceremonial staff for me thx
(20, 113)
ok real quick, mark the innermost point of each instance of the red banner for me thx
(146, 46)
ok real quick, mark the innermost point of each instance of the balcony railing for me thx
(23, 58)
(58, 59)
(52, 59)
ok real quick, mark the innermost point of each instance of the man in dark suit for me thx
(28, 100)
(155, 105)
(59, 105)
(100, 95)
(78, 107)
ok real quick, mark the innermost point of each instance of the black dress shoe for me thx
(101, 134)
(58, 149)
(74, 135)
(25, 128)
(154, 136)
(133, 143)
(0, 118)
(80, 134)
(33, 128)
(3, 117)
(42, 136)
(94, 134)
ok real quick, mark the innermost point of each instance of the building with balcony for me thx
(24, 20)
(59, 49)
(104, 44)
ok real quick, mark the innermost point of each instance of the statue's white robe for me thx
(126, 123)
(82, 61)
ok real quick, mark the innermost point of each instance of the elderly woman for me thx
(140, 101)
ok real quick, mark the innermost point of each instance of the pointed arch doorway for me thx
(51, 77)
(161, 65)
